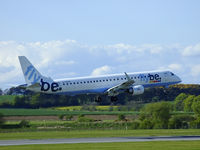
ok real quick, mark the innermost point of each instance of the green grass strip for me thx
(97, 133)
(163, 145)
(52, 112)
(55, 112)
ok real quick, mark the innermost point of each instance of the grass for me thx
(53, 112)
(41, 123)
(158, 145)
(96, 133)
(56, 112)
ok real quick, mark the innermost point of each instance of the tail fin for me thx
(31, 74)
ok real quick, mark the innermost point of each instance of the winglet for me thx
(128, 78)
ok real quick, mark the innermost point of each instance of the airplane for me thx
(110, 85)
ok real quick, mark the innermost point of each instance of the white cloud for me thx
(152, 48)
(101, 70)
(122, 48)
(10, 77)
(71, 62)
(59, 59)
(195, 71)
(175, 67)
(67, 75)
(192, 50)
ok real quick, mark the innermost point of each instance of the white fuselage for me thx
(112, 85)
(100, 84)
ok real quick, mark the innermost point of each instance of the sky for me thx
(73, 38)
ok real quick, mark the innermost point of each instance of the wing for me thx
(121, 87)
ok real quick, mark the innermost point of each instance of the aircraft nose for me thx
(178, 79)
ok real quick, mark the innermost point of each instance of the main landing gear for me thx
(98, 99)
(113, 98)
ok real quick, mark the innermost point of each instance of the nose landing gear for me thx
(97, 99)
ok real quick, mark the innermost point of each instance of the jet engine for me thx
(136, 90)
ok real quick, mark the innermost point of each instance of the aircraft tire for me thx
(97, 99)
(113, 99)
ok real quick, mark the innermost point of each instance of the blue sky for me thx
(68, 38)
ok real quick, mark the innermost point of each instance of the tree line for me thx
(157, 115)
(39, 100)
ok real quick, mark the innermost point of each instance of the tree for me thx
(121, 117)
(61, 116)
(69, 117)
(155, 99)
(21, 102)
(24, 124)
(196, 105)
(158, 113)
(1, 119)
(1, 92)
(179, 105)
(180, 121)
(188, 103)
(35, 101)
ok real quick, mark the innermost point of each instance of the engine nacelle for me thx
(136, 90)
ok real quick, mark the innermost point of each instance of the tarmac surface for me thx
(98, 140)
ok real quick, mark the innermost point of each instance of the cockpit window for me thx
(172, 74)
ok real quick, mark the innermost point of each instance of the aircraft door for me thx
(166, 77)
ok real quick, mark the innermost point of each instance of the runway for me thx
(98, 140)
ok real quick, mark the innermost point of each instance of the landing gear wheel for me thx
(113, 99)
(97, 99)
